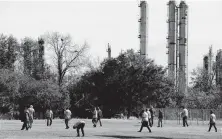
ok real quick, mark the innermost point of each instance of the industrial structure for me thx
(143, 28)
(208, 62)
(219, 69)
(109, 51)
(177, 45)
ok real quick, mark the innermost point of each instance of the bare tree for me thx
(67, 55)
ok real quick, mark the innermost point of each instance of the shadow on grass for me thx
(67, 136)
(120, 136)
(132, 137)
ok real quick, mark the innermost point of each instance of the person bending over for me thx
(79, 125)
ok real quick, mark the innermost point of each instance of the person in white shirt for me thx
(185, 116)
(49, 116)
(94, 118)
(149, 117)
(67, 114)
(79, 125)
(212, 121)
(31, 111)
(144, 121)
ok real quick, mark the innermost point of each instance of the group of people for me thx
(27, 117)
(29, 113)
(148, 115)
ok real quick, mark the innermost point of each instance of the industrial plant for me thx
(177, 45)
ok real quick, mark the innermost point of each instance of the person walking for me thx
(212, 121)
(25, 119)
(94, 117)
(67, 115)
(144, 121)
(152, 112)
(79, 125)
(160, 119)
(31, 111)
(100, 115)
(185, 116)
(149, 117)
(49, 116)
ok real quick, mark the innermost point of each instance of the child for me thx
(212, 121)
(79, 125)
(160, 118)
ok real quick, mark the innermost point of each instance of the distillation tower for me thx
(177, 45)
(219, 69)
(109, 51)
(143, 28)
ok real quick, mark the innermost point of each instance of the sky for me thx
(114, 22)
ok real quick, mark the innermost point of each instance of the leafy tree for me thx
(203, 92)
(8, 49)
(123, 84)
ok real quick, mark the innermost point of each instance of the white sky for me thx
(114, 22)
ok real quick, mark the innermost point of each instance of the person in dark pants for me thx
(185, 116)
(144, 121)
(152, 112)
(160, 119)
(49, 116)
(25, 119)
(79, 125)
(212, 121)
(67, 115)
(100, 115)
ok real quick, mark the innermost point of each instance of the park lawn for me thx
(111, 129)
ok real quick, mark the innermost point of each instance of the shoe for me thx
(22, 129)
(138, 131)
(82, 135)
(77, 136)
(150, 132)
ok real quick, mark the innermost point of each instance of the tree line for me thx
(124, 84)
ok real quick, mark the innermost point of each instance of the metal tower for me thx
(109, 51)
(182, 47)
(219, 69)
(171, 39)
(177, 45)
(143, 28)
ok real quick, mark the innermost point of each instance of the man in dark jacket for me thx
(100, 115)
(152, 112)
(25, 119)
(160, 118)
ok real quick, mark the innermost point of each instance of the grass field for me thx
(111, 129)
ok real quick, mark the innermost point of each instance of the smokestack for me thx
(182, 47)
(219, 69)
(143, 28)
(205, 63)
(171, 39)
(109, 51)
